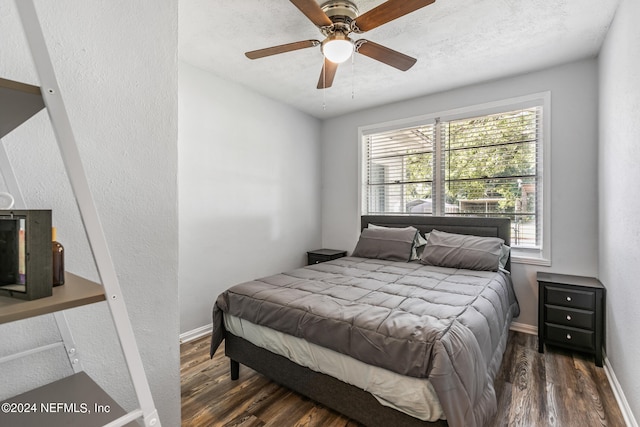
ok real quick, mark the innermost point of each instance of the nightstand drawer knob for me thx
(568, 317)
(568, 336)
(568, 298)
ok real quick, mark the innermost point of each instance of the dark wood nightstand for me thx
(571, 313)
(323, 255)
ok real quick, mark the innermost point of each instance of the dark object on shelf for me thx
(25, 254)
(57, 254)
(322, 255)
(571, 313)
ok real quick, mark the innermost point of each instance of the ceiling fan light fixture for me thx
(337, 48)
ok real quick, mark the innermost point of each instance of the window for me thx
(479, 162)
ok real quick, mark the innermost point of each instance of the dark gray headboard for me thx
(477, 226)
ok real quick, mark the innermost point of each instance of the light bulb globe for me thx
(337, 48)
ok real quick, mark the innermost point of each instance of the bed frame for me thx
(349, 400)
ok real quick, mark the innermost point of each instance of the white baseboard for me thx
(196, 333)
(524, 328)
(629, 419)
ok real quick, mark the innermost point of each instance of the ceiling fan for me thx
(336, 20)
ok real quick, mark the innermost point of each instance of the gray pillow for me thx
(504, 256)
(393, 244)
(462, 251)
(418, 241)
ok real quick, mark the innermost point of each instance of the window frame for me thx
(535, 256)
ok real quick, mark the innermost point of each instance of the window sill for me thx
(530, 257)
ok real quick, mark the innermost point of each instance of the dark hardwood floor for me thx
(556, 388)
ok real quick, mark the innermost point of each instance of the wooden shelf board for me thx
(75, 292)
(18, 103)
(72, 401)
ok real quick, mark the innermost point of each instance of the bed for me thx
(365, 335)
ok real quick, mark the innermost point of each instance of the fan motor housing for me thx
(340, 11)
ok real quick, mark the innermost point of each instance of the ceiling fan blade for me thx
(386, 12)
(261, 53)
(312, 10)
(384, 54)
(327, 74)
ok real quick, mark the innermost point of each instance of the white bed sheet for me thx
(413, 396)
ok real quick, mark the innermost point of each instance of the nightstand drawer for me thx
(576, 318)
(570, 297)
(570, 336)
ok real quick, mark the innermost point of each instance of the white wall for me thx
(116, 66)
(249, 189)
(619, 173)
(573, 167)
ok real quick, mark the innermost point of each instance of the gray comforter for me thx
(447, 325)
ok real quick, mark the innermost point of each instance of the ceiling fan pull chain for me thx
(353, 73)
(324, 85)
(356, 48)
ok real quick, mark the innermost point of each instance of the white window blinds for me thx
(478, 166)
(399, 169)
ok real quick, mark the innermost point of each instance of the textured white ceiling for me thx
(456, 42)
